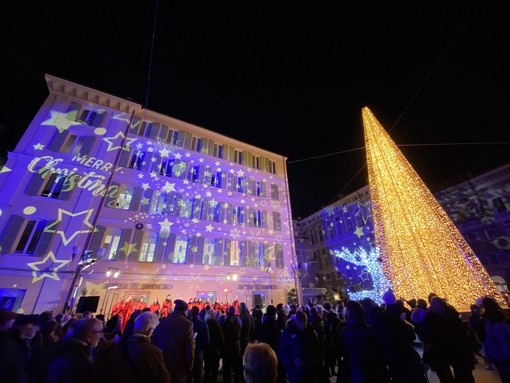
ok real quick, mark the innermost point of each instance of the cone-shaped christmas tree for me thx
(421, 249)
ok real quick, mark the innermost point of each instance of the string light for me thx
(371, 262)
(421, 249)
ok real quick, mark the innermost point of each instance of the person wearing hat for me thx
(7, 319)
(21, 350)
(174, 336)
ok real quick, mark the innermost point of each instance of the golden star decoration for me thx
(61, 121)
(61, 213)
(38, 267)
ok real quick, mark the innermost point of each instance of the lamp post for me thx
(111, 272)
(86, 260)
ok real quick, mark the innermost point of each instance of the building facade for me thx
(99, 187)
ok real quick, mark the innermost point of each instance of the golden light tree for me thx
(421, 249)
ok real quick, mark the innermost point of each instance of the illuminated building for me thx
(421, 249)
(98, 182)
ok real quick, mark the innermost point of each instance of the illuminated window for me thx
(148, 247)
(259, 188)
(193, 173)
(111, 242)
(181, 246)
(235, 253)
(187, 207)
(166, 167)
(91, 117)
(73, 145)
(30, 237)
(137, 160)
(240, 184)
(125, 197)
(209, 251)
(53, 185)
(238, 215)
(216, 179)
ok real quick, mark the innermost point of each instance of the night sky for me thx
(289, 77)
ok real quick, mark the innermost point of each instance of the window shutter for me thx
(73, 111)
(87, 145)
(97, 239)
(199, 258)
(10, 233)
(190, 254)
(138, 239)
(57, 141)
(159, 252)
(170, 248)
(148, 194)
(136, 125)
(44, 244)
(124, 240)
(125, 156)
(111, 199)
(34, 185)
(137, 197)
(228, 245)
(98, 119)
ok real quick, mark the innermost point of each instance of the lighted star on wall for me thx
(111, 142)
(62, 121)
(61, 213)
(50, 271)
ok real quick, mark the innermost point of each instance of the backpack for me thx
(497, 343)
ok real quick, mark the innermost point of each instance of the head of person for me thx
(7, 319)
(491, 309)
(146, 323)
(430, 296)
(195, 311)
(475, 309)
(88, 330)
(271, 311)
(389, 297)
(260, 363)
(422, 304)
(231, 311)
(181, 307)
(438, 305)
(301, 320)
(210, 315)
(26, 326)
(354, 313)
(243, 309)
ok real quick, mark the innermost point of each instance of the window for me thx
(235, 253)
(499, 204)
(73, 145)
(193, 173)
(238, 215)
(279, 256)
(259, 187)
(274, 192)
(125, 197)
(277, 223)
(216, 179)
(137, 160)
(240, 186)
(181, 246)
(148, 247)
(91, 117)
(31, 236)
(53, 185)
(111, 243)
(166, 168)
(209, 251)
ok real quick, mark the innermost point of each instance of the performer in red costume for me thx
(140, 305)
(128, 310)
(155, 306)
(118, 308)
(166, 307)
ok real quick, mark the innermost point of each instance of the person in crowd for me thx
(270, 334)
(137, 359)
(260, 364)
(166, 307)
(72, 361)
(129, 325)
(300, 350)
(155, 306)
(174, 336)
(417, 315)
(7, 319)
(316, 321)
(397, 335)
(247, 327)
(497, 337)
(201, 335)
(87, 315)
(361, 349)
(330, 324)
(21, 351)
(258, 317)
(475, 327)
(231, 356)
(213, 353)
(281, 317)
(446, 344)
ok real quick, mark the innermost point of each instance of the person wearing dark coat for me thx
(72, 362)
(231, 356)
(446, 343)
(174, 336)
(404, 362)
(137, 359)
(247, 327)
(270, 333)
(361, 349)
(201, 334)
(213, 353)
(300, 350)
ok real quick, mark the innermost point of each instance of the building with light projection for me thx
(100, 187)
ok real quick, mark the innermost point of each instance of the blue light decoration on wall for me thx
(365, 269)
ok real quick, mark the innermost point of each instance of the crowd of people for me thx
(197, 342)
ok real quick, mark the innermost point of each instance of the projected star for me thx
(164, 152)
(168, 187)
(61, 121)
(46, 268)
(128, 248)
(115, 142)
(359, 232)
(61, 212)
(5, 169)
(38, 146)
(165, 225)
